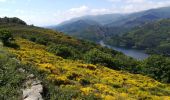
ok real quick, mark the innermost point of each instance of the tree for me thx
(158, 67)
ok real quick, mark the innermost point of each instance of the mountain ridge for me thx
(120, 23)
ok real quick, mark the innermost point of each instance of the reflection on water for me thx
(137, 54)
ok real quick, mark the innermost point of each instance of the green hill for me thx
(153, 37)
(75, 69)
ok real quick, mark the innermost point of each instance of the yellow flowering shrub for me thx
(99, 80)
(88, 66)
(87, 90)
(109, 97)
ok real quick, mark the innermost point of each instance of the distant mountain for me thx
(101, 19)
(140, 18)
(89, 27)
(102, 26)
(86, 29)
(153, 37)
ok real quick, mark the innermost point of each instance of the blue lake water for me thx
(137, 54)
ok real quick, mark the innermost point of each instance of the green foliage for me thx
(65, 79)
(84, 82)
(10, 78)
(157, 67)
(7, 39)
(152, 37)
(95, 56)
(164, 48)
(63, 51)
(127, 63)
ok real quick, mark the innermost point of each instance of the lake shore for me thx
(136, 54)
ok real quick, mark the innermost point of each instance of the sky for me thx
(53, 12)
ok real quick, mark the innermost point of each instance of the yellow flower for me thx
(87, 90)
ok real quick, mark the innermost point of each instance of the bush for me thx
(157, 67)
(42, 41)
(7, 39)
(96, 56)
(10, 78)
(63, 51)
(84, 82)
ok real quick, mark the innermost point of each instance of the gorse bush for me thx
(71, 79)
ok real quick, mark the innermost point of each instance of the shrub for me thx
(63, 51)
(7, 39)
(157, 67)
(42, 41)
(84, 82)
(10, 78)
(88, 66)
(96, 56)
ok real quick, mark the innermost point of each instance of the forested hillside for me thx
(70, 68)
(152, 37)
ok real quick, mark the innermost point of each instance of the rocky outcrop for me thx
(33, 89)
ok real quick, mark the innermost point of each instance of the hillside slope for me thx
(86, 79)
(72, 69)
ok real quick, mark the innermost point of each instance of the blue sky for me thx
(52, 12)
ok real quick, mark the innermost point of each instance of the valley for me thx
(72, 68)
(102, 50)
(136, 54)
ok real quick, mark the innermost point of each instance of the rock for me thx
(36, 82)
(21, 70)
(31, 76)
(34, 93)
(33, 90)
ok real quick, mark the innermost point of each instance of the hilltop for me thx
(70, 68)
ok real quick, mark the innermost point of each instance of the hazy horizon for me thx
(46, 13)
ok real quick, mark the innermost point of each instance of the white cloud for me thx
(79, 9)
(128, 6)
(46, 17)
(118, 6)
(77, 12)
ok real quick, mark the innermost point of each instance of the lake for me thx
(137, 54)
